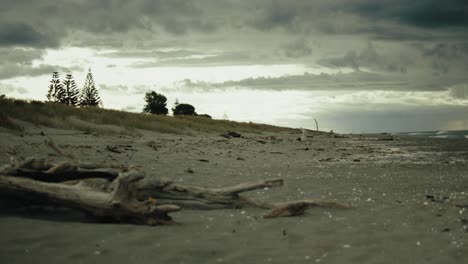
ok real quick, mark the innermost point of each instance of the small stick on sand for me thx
(49, 142)
(295, 208)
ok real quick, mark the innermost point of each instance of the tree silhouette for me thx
(56, 92)
(155, 103)
(184, 109)
(176, 103)
(89, 94)
(71, 93)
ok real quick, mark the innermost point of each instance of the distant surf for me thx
(439, 134)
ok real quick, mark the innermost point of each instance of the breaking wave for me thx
(439, 134)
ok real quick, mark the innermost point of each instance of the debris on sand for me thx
(339, 136)
(50, 143)
(290, 210)
(276, 152)
(234, 134)
(435, 199)
(303, 135)
(386, 139)
(231, 134)
(152, 144)
(113, 149)
(295, 208)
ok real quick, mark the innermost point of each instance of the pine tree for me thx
(56, 92)
(71, 92)
(176, 103)
(89, 94)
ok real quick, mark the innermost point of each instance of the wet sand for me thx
(404, 190)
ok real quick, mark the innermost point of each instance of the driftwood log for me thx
(116, 206)
(131, 195)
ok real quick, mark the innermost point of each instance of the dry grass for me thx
(7, 123)
(112, 121)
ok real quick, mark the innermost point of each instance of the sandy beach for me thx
(239, 132)
(407, 194)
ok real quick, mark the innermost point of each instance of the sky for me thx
(353, 65)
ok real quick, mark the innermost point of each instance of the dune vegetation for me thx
(106, 121)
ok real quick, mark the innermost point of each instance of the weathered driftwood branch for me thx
(293, 208)
(199, 197)
(228, 197)
(49, 142)
(43, 170)
(249, 186)
(134, 196)
(117, 206)
(74, 174)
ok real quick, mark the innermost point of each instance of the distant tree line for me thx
(67, 92)
(157, 104)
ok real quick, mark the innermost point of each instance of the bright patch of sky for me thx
(120, 71)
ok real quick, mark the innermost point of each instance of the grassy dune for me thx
(112, 121)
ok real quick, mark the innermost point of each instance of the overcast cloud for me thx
(179, 46)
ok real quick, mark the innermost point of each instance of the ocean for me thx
(438, 134)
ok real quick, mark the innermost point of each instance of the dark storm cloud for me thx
(391, 20)
(296, 49)
(206, 16)
(447, 50)
(446, 57)
(353, 81)
(12, 71)
(312, 82)
(20, 34)
(114, 22)
(277, 14)
(97, 17)
(19, 55)
(424, 13)
(369, 57)
(17, 62)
